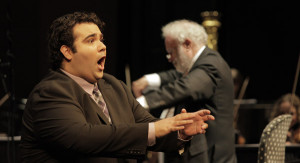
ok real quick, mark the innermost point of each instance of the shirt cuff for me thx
(142, 101)
(153, 80)
(151, 134)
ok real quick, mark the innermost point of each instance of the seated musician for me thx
(288, 104)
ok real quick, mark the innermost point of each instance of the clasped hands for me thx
(188, 124)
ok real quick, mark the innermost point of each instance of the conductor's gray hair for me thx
(185, 29)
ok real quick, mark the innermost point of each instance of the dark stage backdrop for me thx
(260, 38)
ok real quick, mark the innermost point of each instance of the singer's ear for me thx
(66, 51)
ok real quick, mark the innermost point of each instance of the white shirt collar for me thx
(197, 55)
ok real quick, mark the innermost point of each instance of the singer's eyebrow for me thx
(93, 35)
(89, 36)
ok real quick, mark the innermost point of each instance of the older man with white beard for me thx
(202, 79)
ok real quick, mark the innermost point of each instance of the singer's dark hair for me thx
(61, 33)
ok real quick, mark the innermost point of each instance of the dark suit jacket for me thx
(62, 123)
(208, 85)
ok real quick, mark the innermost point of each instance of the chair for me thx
(272, 142)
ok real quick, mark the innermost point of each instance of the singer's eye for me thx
(101, 38)
(91, 40)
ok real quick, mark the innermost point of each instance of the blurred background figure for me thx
(289, 104)
(237, 81)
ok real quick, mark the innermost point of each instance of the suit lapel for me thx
(99, 112)
(91, 104)
(117, 105)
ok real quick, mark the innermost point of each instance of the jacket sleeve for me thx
(168, 143)
(200, 83)
(169, 76)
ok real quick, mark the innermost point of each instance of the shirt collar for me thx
(197, 55)
(86, 86)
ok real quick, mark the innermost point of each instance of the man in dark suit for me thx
(202, 79)
(78, 113)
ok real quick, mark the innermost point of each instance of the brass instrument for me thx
(211, 25)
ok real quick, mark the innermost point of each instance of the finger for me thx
(204, 126)
(208, 117)
(202, 132)
(177, 128)
(201, 129)
(203, 112)
(183, 110)
(183, 122)
(211, 117)
(183, 116)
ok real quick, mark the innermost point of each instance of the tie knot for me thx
(96, 92)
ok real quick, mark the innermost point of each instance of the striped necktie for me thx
(100, 101)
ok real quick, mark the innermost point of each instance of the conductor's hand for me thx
(138, 86)
(198, 126)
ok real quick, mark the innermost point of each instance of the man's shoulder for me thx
(109, 81)
(210, 56)
(207, 52)
(107, 76)
(54, 81)
(54, 77)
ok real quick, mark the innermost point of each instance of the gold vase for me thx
(211, 24)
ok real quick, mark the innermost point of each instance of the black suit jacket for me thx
(208, 85)
(62, 123)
